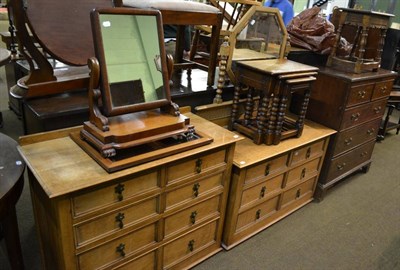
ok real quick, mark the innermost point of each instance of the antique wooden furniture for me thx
(11, 184)
(132, 118)
(353, 104)
(271, 182)
(393, 103)
(4, 59)
(273, 81)
(164, 214)
(182, 13)
(366, 31)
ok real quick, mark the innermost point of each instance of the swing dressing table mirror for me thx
(132, 118)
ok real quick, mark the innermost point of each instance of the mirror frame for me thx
(108, 109)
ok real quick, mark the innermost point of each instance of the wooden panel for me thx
(192, 216)
(266, 169)
(195, 166)
(198, 189)
(262, 190)
(189, 244)
(307, 153)
(360, 94)
(351, 138)
(107, 253)
(111, 195)
(115, 221)
(382, 89)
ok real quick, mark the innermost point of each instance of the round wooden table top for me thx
(5, 56)
(11, 169)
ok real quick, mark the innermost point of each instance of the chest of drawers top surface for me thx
(62, 167)
(354, 77)
(247, 153)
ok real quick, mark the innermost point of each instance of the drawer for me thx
(350, 160)
(298, 192)
(192, 216)
(262, 190)
(146, 262)
(198, 189)
(361, 114)
(351, 138)
(303, 172)
(360, 94)
(115, 221)
(265, 169)
(382, 89)
(307, 152)
(118, 249)
(195, 166)
(257, 213)
(190, 244)
(113, 194)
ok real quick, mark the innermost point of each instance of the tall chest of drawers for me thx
(270, 182)
(352, 104)
(164, 214)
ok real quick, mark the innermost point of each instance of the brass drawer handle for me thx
(348, 141)
(364, 154)
(120, 219)
(121, 249)
(262, 192)
(193, 217)
(361, 94)
(377, 109)
(118, 190)
(196, 188)
(383, 89)
(308, 154)
(199, 162)
(370, 131)
(298, 193)
(258, 214)
(341, 166)
(355, 116)
(191, 245)
(303, 173)
(267, 168)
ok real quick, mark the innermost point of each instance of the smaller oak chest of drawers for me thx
(353, 105)
(164, 214)
(270, 182)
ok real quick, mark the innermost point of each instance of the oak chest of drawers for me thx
(164, 214)
(270, 182)
(352, 104)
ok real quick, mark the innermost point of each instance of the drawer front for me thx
(146, 262)
(192, 216)
(115, 221)
(186, 194)
(360, 94)
(117, 249)
(363, 113)
(262, 190)
(350, 160)
(265, 169)
(351, 138)
(195, 166)
(308, 152)
(382, 89)
(114, 193)
(303, 190)
(303, 172)
(189, 244)
(257, 213)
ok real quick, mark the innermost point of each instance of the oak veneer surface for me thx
(54, 155)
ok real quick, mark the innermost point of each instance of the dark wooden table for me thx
(5, 56)
(11, 183)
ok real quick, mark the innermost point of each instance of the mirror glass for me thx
(132, 59)
(262, 38)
